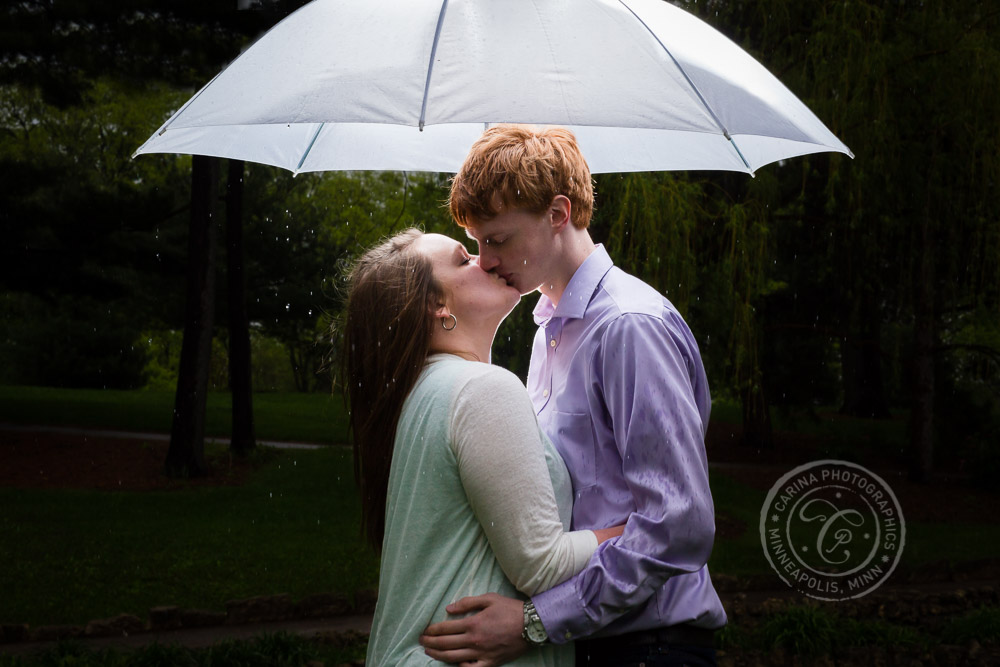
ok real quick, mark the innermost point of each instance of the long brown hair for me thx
(387, 333)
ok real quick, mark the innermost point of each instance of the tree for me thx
(242, 439)
(185, 457)
(909, 223)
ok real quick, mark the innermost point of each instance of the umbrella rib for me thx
(177, 114)
(430, 65)
(309, 148)
(701, 98)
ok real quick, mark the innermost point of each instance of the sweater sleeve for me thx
(501, 462)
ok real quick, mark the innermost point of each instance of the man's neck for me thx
(573, 247)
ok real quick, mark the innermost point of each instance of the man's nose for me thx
(487, 260)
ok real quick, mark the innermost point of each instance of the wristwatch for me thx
(534, 632)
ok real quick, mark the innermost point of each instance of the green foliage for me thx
(302, 233)
(81, 224)
(648, 222)
(159, 655)
(279, 649)
(799, 284)
(269, 358)
(68, 342)
(163, 358)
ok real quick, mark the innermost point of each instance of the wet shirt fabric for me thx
(618, 384)
(478, 498)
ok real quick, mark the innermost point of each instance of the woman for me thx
(460, 490)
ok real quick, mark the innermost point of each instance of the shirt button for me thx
(552, 343)
(569, 635)
(545, 394)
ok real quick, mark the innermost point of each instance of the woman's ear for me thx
(441, 311)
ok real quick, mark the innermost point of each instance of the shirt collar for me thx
(580, 290)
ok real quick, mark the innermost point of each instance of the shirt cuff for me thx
(561, 609)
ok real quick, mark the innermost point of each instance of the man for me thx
(618, 385)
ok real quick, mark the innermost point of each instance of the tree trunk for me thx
(240, 377)
(186, 455)
(297, 358)
(757, 432)
(861, 360)
(922, 414)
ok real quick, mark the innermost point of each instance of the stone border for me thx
(259, 609)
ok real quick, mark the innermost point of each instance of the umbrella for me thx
(411, 84)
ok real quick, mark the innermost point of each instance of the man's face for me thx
(517, 246)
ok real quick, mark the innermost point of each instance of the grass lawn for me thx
(743, 555)
(72, 556)
(69, 556)
(279, 649)
(926, 542)
(296, 417)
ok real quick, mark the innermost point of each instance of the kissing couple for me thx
(566, 522)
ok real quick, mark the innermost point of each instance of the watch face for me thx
(536, 633)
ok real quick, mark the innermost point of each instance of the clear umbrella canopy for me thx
(410, 85)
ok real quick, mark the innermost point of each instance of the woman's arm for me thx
(502, 465)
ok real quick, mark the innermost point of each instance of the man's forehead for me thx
(481, 229)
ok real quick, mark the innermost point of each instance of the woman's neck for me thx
(470, 356)
(466, 344)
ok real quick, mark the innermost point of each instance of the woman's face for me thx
(473, 295)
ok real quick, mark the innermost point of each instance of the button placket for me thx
(552, 333)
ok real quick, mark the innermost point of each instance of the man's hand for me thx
(488, 638)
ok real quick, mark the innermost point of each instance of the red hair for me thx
(522, 167)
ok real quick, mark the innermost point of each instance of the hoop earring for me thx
(454, 321)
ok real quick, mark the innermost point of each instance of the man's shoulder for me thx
(628, 307)
(625, 294)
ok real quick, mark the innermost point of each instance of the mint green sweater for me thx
(475, 491)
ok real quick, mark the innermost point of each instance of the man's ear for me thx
(560, 211)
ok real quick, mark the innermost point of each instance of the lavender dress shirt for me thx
(619, 387)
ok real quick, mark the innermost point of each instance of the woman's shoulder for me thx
(474, 384)
(473, 372)
(493, 381)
